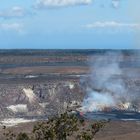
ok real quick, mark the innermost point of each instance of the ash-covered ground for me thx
(38, 84)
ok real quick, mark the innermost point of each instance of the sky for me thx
(69, 24)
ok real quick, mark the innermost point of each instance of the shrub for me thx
(22, 136)
(63, 127)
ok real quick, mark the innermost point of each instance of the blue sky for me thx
(69, 24)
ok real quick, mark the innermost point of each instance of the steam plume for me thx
(106, 87)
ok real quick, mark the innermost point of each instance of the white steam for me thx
(105, 86)
(97, 101)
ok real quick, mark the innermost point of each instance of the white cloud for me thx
(115, 3)
(60, 3)
(112, 24)
(17, 27)
(13, 12)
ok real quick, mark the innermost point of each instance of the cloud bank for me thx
(17, 27)
(115, 3)
(60, 3)
(113, 24)
(13, 12)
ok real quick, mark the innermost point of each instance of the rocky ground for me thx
(39, 99)
(120, 130)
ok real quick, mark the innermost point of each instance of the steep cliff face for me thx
(39, 99)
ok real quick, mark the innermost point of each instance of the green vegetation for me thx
(65, 127)
(22, 136)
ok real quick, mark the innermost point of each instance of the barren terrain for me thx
(35, 85)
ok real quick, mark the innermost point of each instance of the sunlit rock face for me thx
(19, 108)
(39, 99)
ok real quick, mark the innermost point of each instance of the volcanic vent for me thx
(107, 88)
